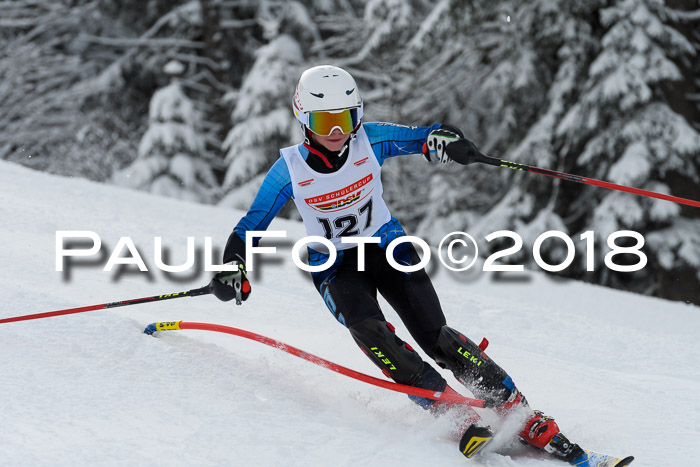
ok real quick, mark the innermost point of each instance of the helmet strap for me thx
(307, 135)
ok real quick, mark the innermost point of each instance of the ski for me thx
(476, 437)
(559, 447)
(474, 440)
(593, 459)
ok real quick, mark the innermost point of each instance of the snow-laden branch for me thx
(18, 23)
(142, 42)
(681, 15)
(192, 58)
(237, 23)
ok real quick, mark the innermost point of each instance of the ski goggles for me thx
(323, 123)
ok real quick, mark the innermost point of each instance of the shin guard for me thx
(473, 368)
(395, 358)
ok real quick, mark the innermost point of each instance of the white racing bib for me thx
(340, 204)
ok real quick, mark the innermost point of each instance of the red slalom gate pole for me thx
(157, 298)
(448, 396)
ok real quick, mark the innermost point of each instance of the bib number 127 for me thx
(346, 226)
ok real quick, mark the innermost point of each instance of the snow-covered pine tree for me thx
(75, 78)
(169, 160)
(622, 129)
(449, 57)
(262, 121)
(538, 65)
(512, 67)
(41, 73)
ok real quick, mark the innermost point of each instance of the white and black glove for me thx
(227, 285)
(463, 151)
(434, 148)
(434, 151)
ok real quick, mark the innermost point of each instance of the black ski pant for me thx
(351, 295)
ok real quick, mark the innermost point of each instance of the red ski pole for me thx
(190, 293)
(463, 153)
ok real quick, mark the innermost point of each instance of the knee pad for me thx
(394, 357)
(473, 368)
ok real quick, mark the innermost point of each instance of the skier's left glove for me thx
(434, 147)
(227, 285)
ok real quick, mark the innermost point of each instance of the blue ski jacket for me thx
(387, 140)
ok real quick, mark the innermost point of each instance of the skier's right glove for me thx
(227, 285)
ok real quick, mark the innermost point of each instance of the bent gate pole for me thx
(448, 396)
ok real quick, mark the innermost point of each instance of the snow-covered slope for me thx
(620, 372)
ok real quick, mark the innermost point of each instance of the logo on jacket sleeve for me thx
(343, 198)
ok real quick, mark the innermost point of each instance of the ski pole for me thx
(449, 395)
(461, 152)
(190, 293)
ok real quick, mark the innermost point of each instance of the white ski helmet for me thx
(327, 98)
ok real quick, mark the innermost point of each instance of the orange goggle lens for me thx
(323, 123)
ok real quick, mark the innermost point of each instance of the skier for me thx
(333, 176)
